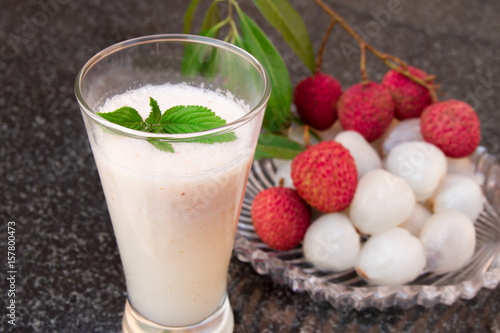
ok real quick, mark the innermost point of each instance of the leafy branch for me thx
(391, 61)
(244, 32)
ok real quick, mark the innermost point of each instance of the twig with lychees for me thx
(391, 61)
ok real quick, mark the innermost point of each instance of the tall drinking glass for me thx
(174, 214)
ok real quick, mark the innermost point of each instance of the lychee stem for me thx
(391, 61)
(364, 74)
(319, 59)
(402, 68)
(307, 137)
(230, 9)
(430, 78)
(232, 35)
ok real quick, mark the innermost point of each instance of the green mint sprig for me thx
(176, 120)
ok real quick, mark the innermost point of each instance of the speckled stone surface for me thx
(69, 276)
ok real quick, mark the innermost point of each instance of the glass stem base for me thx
(221, 321)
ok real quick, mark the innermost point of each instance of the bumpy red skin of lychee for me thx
(367, 108)
(316, 100)
(409, 97)
(452, 126)
(325, 176)
(280, 217)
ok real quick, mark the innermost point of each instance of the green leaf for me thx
(276, 146)
(209, 66)
(162, 145)
(212, 17)
(284, 18)
(238, 41)
(226, 137)
(126, 117)
(155, 115)
(200, 57)
(177, 119)
(255, 41)
(188, 16)
(192, 118)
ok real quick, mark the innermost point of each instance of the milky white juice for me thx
(174, 214)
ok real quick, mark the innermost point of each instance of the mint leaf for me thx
(179, 119)
(126, 117)
(155, 115)
(162, 145)
(193, 118)
(226, 137)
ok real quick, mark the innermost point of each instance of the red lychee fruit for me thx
(280, 217)
(367, 108)
(325, 176)
(452, 126)
(409, 97)
(316, 100)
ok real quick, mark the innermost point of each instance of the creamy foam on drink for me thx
(174, 214)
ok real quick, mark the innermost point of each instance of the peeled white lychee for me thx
(331, 243)
(392, 257)
(284, 171)
(382, 201)
(405, 131)
(421, 164)
(365, 157)
(416, 221)
(458, 192)
(449, 239)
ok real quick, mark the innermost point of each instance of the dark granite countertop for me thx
(69, 276)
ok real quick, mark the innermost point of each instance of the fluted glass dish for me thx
(346, 288)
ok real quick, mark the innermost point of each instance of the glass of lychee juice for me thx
(174, 211)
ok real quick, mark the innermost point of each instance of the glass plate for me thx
(345, 288)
